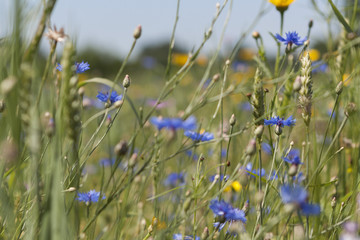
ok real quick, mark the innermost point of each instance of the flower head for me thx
(89, 197)
(180, 237)
(280, 121)
(295, 194)
(174, 179)
(105, 97)
(226, 213)
(82, 67)
(291, 38)
(174, 123)
(281, 5)
(202, 137)
(293, 157)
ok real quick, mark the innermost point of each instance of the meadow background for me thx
(179, 119)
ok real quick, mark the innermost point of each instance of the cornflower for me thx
(106, 97)
(187, 237)
(174, 178)
(280, 123)
(297, 195)
(226, 213)
(199, 137)
(290, 39)
(89, 197)
(80, 67)
(174, 123)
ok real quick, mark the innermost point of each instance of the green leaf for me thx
(340, 17)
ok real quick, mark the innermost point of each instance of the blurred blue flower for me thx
(226, 213)
(105, 97)
(82, 67)
(240, 66)
(291, 38)
(221, 177)
(89, 197)
(189, 153)
(295, 194)
(174, 123)
(246, 106)
(318, 66)
(174, 179)
(106, 162)
(273, 176)
(203, 137)
(188, 237)
(299, 177)
(148, 62)
(256, 172)
(280, 121)
(266, 148)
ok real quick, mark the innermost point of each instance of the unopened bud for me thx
(121, 148)
(227, 62)
(251, 148)
(216, 77)
(333, 202)
(118, 104)
(292, 170)
(297, 84)
(205, 234)
(228, 163)
(132, 160)
(292, 143)
(311, 23)
(2, 106)
(232, 120)
(126, 81)
(278, 130)
(339, 88)
(70, 189)
(351, 36)
(306, 43)
(248, 95)
(137, 32)
(256, 35)
(259, 131)
(350, 109)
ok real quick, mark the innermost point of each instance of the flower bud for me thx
(292, 170)
(278, 130)
(137, 32)
(259, 131)
(121, 148)
(311, 23)
(132, 160)
(256, 35)
(333, 202)
(350, 109)
(227, 62)
(126, 81)
(205, 234)
(216, 77)
(251, 148)
(297, 84)
(232, 120)
(339, 88)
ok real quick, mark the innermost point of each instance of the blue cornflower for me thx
(256, 172)
(280, 121)
(106, 162)
(188, 237)
(174, 123)
(80, 67)
(203, 137)
(266, 148)
(89, 197)
(293, 157)
(105, 97)
(221, 177)
(297, 195)
(318, 66)
(189, 153)
(173, 179)
(291, 38)
(226, 213)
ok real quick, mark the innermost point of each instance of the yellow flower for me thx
(346, 79)
(235, 186)
(179, 59)
(281, 5)
(313, 54)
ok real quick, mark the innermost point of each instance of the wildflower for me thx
(202, 137)
(235, 186)
(174, 179)
(298, 196)
(290, 39)
(266, 148)
(226, 213)
(188, 237)
(174, 123)
(89, 197)
(281, 5)
(253, 172)
(105, 97)
(280, 121)
(293, 159)
(58, 36)
(80, 67)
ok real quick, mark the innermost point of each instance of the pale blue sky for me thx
(109, 24)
